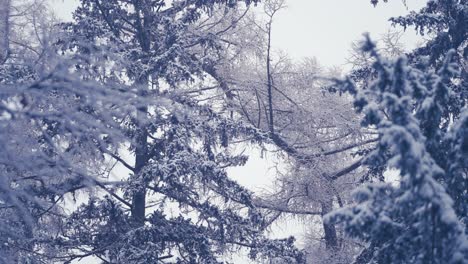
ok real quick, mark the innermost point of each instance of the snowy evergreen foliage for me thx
(418, 105)
(52, 125)
(125, 75)
(117, 130)
(415, 221)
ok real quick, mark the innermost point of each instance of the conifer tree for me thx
(120, 81)
(181, 147)
(418, 105)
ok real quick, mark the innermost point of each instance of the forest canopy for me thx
(119, 130)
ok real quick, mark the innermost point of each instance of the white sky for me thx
(325, 28)
(310, 28)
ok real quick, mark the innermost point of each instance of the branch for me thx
(285, 210)
(117, 158)
(346, 170)
(331, 152)
(102, 186)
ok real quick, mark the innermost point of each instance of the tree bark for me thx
(269, 80)
(331, 240)
(141, 158)
(141, 140)
(365, 256)
(4, 29)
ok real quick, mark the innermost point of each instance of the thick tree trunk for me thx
(141, 158)
(331, 240)
(4, 29)
(141, 149)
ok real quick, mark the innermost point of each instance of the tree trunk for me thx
(269, 80)
(365, 256)
(141, 140)
(331, 240)
(141, 158)
(4, 29)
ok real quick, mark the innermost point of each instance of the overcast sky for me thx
(325, 28)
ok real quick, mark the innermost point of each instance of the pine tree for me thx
(414, 221)
(432, 96)
(120, 81)
(180, 146)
